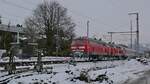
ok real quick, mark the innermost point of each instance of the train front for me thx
(79, 48)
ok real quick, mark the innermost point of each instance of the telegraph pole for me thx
(88, 39)
(18, 35)
(137, 32)
(111, 36)
(88, 28)
(131, 32)
(137, 21)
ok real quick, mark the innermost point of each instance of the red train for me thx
(98, 50)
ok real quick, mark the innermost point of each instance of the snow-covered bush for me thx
(101, 78)
(84, 76)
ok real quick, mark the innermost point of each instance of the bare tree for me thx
(51, 19)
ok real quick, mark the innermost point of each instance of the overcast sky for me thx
(104, 15)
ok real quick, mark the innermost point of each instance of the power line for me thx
(29, 2)
(10, 14)
(93, 19)
(6, 19)
(16, 5)
(83, 15)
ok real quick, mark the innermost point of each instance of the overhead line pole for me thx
(111, 34)
(131, 32)
(137, 32)
(122, 32)
(88, 29)
(88, 39)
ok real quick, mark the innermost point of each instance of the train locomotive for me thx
(92, 49)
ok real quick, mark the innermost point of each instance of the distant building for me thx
(8, 33)
(11, 28)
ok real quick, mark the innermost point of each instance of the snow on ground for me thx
(128, 71)
(46, 58)
(113, 72)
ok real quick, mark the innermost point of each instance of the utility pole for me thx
(131, 32)
(137, 22)
(137, 32)
(88, 28)
(111, 34)
(88, 39)
(18, 27)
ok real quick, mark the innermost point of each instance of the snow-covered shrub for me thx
(36, 83)
(102, 78)
(84, 76)
(20, 83)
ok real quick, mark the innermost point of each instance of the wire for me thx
(94, 19)
(29, 2)
(8, 19)
(91, 18)
(10, 14)
(88, 17)
(79, 14)
(16, 5)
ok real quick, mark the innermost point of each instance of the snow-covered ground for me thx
(47, 58)
(105, 72)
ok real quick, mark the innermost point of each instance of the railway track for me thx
(6, 78)
(29, 63)
(19, 72)
(23, 72)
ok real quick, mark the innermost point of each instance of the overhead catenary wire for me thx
(16, 5)
(10, 14)
(13, 16)
(72, 11)
(87, 17)
(29, 2)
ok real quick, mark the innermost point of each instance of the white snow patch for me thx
(123, 71)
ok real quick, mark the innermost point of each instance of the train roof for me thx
(97, 41)
(91, 40)
(102, 42)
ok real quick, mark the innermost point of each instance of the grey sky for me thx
(104, 15)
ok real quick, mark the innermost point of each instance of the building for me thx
(8, 34)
